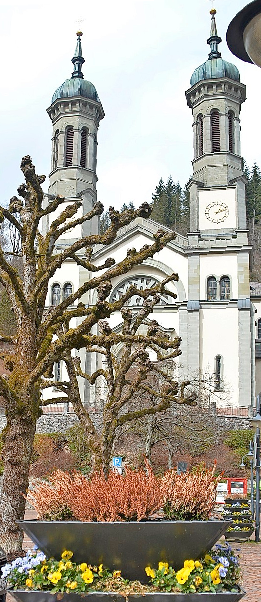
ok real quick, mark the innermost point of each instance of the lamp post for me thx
(244, 34)
(244, 41)
(256, 422)
(250, 456)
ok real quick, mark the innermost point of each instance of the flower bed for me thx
(215, 573)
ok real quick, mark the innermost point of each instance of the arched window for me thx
(215, 131)
(231, 134)
(55, 149)
(225, 287)
(56, 294)
(211, 288)
(57, 371)
(67, 290)
(259, 328)
(217, 372)
(69, 146)
(200, 136)
(83, 147)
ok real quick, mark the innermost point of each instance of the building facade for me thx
(212, 312)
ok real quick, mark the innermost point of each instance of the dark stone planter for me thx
(24, 596)
(128, 547)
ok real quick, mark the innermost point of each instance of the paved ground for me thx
(250, 562)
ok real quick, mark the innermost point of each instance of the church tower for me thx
(75, 112)
(216, 331)
(217, 196)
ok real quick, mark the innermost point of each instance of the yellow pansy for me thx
(31, 572)
(68, 564)
(83, 566)
(165, 566)
(100, 569)
(198, 580)
(208, 558)
(116, 574)
(182, 575)
(198, 564)
(87, 576)
(67, 554)
(55, 577)
(62, 566)
(150, 572)
(189, 564)
(73, 585)
(29, 582)
(215, 576)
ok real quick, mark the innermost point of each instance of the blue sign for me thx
(117, 461)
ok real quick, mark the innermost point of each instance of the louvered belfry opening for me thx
(69, 146)
(215, 132)
(55, 149)
(231, 131)
(83, 147)
(200, 136)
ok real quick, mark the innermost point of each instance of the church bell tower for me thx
(75, 112)
(217, 195)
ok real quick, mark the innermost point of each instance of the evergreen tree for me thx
(171, 205)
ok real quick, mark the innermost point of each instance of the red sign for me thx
(237, 486)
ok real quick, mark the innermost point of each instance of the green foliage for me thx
(171, 205)
(76, 441)
(253, 192)
(238, 441)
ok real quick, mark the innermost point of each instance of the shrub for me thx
(190, 495)
(135, 496)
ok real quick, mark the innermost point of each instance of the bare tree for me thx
(45, 337)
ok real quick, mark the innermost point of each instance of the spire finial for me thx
(78, 59)
(214, 40)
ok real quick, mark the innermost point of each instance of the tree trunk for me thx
(17, 450)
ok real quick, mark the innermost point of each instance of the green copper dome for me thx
(215, 67)
(77, 85)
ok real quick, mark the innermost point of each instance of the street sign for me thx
(117, 462)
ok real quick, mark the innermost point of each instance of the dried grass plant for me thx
(190, 495)
(135, 496)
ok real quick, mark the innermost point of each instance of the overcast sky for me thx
(140, 55)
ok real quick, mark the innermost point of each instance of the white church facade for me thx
(212, 313)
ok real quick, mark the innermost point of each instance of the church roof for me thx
(77, 85)
(214, 67)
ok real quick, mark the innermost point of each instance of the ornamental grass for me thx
(136, 495)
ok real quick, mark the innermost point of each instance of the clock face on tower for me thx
(217, 208)
(217, 212)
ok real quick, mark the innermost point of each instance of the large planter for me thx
(24, 596)
(128, 547)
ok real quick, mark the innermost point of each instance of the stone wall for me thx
(50, 423)
(59, 423)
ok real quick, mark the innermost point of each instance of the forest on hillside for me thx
(171, 208)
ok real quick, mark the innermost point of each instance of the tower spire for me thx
(78, 59)
(214, 40)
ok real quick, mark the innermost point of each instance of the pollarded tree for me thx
(45, 337)
(130, 376)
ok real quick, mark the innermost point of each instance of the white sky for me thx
(140, 55)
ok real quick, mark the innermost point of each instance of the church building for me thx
(212, 312)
